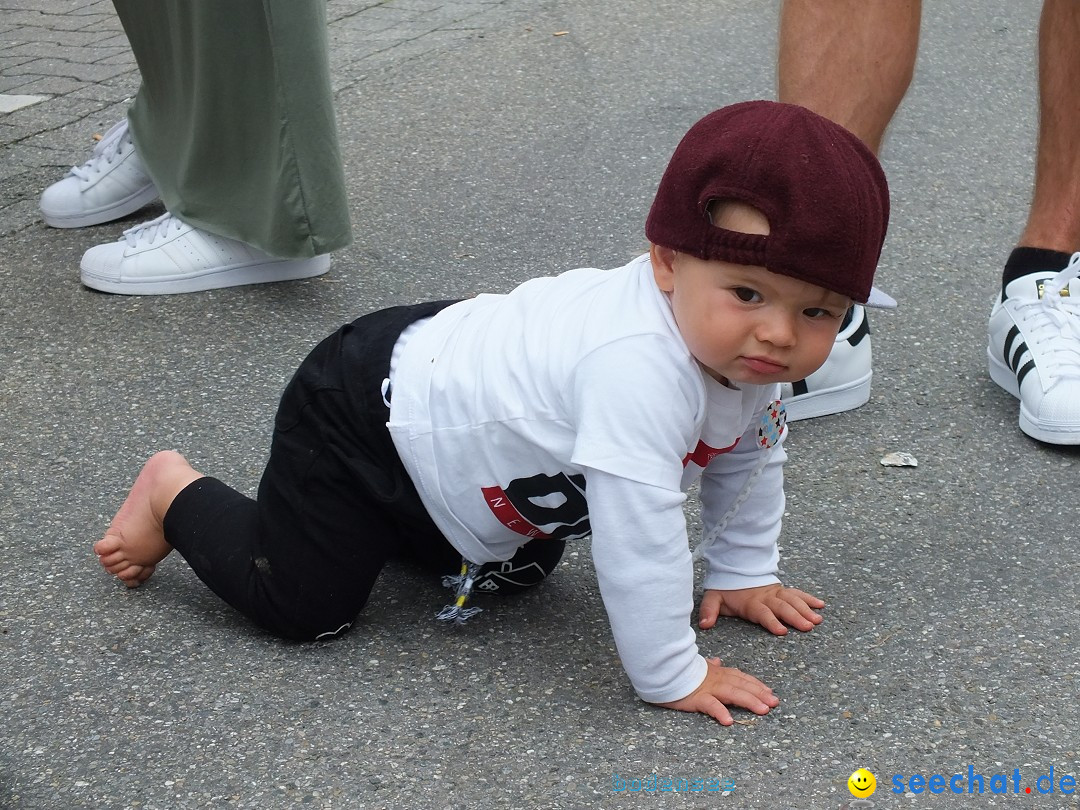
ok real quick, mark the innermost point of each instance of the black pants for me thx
(334, 504)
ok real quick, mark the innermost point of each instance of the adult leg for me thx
(1054, 219)
(849, 60)
(1034, 331)
(235, 119)
(235, 125)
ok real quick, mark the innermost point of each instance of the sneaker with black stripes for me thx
(1034, 351)
(843, 382)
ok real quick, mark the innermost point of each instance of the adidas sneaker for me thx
(1034, 351)
(111, 185)
(843, 382)
(166, 256)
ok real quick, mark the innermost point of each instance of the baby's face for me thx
(745, 324)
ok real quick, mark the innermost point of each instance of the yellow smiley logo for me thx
(862, 784)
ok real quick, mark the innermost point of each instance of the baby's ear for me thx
(663, 267)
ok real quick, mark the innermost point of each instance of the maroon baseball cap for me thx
(820, 187)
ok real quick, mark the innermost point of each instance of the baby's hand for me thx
(726, 685)
(771, 606)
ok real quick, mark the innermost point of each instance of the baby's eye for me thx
(747, 295)
(818, 312)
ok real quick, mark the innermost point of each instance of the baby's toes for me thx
(134, 575)
(116, 560)
(109, 544)
(126, 571)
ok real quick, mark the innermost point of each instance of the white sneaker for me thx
(843, 382)
(1034, 351)
(166, 256)
(111, 185)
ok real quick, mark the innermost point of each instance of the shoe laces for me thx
(106, 150)
(146, 233)
(1052, 321)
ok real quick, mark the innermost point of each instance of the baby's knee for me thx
(533, 563)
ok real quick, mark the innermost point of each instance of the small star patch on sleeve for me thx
(773, 420)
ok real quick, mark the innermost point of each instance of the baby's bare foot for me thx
(135, 542)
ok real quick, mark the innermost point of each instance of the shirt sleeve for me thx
(646, 577)
(746, 554)
(638, 403)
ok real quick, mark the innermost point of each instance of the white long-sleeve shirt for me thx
(571, 406)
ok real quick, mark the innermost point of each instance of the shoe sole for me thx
(830, 400)
(140, 199)
(1004, 377)
(235, 276)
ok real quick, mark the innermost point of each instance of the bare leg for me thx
(849, 60)
(1054, 218)
(135, 540)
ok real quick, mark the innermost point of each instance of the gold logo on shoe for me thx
(1042, 284)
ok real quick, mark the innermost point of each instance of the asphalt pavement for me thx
(485, 143)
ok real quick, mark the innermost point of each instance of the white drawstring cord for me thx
(773, 424)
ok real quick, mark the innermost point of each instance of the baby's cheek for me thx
(818, 351)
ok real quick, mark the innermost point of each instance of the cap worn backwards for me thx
(821, 189)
